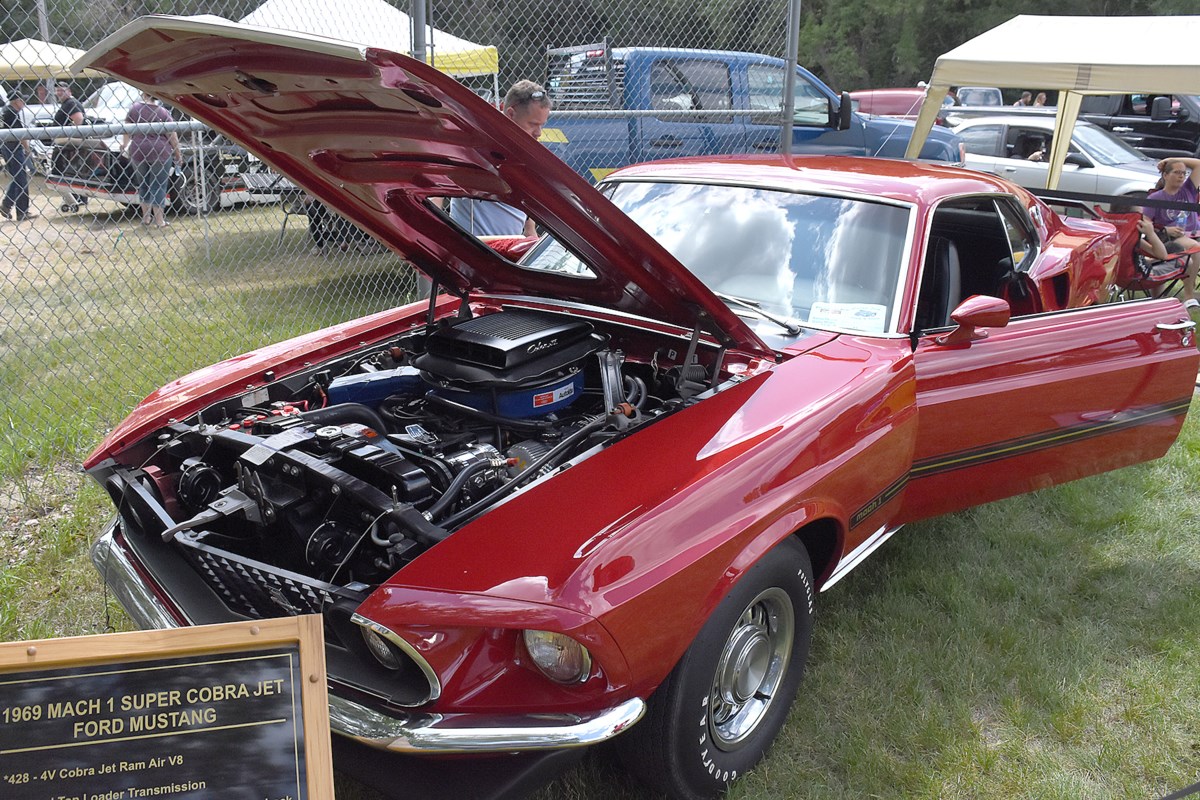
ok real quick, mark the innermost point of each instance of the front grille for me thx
(258, 590)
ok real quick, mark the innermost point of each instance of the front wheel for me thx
(718, 711)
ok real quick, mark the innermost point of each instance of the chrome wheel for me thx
(751, 668)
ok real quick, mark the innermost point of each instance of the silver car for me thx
(1097, 162)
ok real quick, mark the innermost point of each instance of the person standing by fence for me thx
(16, 160)
(150, 153)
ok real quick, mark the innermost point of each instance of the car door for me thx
(1135, 122)
(1046, 399)
(812, 130)
(701, 90)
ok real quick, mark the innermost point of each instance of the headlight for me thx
(384, 653)
(558, 656)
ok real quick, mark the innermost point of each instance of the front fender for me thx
(648, 534)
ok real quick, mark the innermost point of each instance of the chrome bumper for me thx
(404, 732)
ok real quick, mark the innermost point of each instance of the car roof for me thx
(1045, 123)
(917, 182)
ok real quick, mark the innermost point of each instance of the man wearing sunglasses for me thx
(527, 105)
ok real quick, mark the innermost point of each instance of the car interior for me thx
(970, 252)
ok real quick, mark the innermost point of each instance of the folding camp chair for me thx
(1156, 278)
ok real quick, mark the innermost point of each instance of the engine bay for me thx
(327, 482)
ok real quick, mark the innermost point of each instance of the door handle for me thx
(766, 145)
(1186, 329)
(1121, 129)
(667, 141)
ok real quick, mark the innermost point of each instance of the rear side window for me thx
(984, 140)
(690, 85)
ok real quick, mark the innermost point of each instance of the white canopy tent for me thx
(1075, 56)
(35, 60)
(375, 23)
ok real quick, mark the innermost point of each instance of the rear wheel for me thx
(718, 711)
(194, 193)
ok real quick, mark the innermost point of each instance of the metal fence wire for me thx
(99, 308)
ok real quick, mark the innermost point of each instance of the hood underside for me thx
(376, 135)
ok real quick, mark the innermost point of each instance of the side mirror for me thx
(977, 311)
(845, 112)
(1160, 108)
(1079, 160)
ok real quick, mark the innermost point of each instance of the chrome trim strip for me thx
(475, 733)
(115, 564)
(435, 685)
(859, 553)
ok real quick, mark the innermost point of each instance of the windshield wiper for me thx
(789, 324)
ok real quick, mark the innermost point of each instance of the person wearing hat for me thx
(70, 110)
(16, 161)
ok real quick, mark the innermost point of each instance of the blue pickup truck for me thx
(618, 106)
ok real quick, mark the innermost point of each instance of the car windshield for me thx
(824, 261)
(112, 95)
(1105, 148)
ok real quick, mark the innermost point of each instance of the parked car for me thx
(979, 96)
(81, 168)
(899, 103)
(1157, 125)
(703, 98)
(740, 375)
(1097, 162)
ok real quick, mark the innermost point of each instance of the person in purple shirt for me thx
(151, 153)
(1180, 182)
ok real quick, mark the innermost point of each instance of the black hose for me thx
(347, 412)
(523, 425)
(452, 491)
(528, 472)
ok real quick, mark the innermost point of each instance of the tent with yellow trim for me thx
(375, 23)
(1076, 56)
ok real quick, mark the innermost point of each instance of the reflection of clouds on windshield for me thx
(728, 237)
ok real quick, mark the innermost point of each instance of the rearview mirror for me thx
(977, 311)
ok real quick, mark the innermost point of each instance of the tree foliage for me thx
(851, 44)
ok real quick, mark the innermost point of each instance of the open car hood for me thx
(375, 134)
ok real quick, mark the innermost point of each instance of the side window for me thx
(690, 85)
(1024, 142)
(984, 140)
(766, 94)
(1022, 243)
(977, 245)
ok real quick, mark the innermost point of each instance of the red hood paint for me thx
(376, 134)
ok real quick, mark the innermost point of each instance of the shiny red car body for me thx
(781, 362)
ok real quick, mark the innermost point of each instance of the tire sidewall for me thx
(699, 762)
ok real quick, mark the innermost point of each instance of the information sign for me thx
(230, 711)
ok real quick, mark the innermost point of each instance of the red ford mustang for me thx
(595, 491)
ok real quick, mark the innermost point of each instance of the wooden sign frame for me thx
(270, 641)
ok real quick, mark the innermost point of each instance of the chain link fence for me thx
(99, 308)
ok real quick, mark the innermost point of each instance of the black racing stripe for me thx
(878, 501)
(1040, 441)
